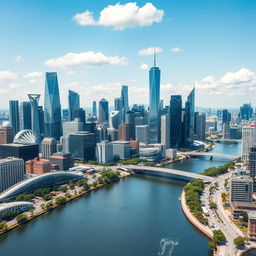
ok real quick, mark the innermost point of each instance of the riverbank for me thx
(44, 211)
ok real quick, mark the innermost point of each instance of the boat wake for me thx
(166, 247)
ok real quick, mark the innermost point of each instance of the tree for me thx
(239, 241)
(21, 218)
(49, 205)
(71, 185)
(8, 215)
(60, 200)
(86, 186)
(213, 205)
(3, 226)
(95, 183)
(244, 215)
(218, 237)
(63, 188)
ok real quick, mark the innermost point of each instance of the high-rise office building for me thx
(118, 104)
(104, 152)
(154, 103)
(6, 133)
(248, 140)
(72, 127)
(165, 130)
(189, 119)
(73, 105)
(226, 131)
(12, 171)
(14, 116)
(124, 97)
(175, 121)
(48, 147)
(142, 133)
(121, 150)
(252, 165)
(101, 132)
(200, 126)
(25, 115)
(114, 119)
(246, 112)
(124, 132)
(94, 109)
(35, 123)
(103, 111)
(41, 119)
(52, 107)
(226, 116)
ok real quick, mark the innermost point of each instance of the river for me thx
(137, 216)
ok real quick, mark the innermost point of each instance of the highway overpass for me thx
(194, 153)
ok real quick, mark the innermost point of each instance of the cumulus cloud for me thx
(176, 49)
(85, 59)
(150, 51)
(144, 66)
(121, 16)
(34, 81)
(70, 73)
(7, 75)
(18, 58)
(33, 74)
(14, 86)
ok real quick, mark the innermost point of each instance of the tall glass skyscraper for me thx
(175, 121)
(124, 97)
(103, 111)
(34, 99)
(189, 119)
(52, 108)
(154, 104)
(73, 105)
(94, 108)
(14, 117)
(25, 115)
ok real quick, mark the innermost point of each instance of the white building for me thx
(248, 140)
(171, 153)
(104, 152)
(12, 171)
(48, 147)
(17, 207)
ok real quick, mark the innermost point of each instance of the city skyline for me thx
(218, 64)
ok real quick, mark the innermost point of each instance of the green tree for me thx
(21, 218)
(3, 226)
(95, 183)
(218, 237)
(49, 205)
(8, 215)
(60, 200)
(213, 205)
(63, 188)
(239, 241)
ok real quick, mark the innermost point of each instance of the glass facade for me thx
(124, 96)
(25, 115)
(189, 119)
(34, 99)
(94, 108)
(175, 120)
(103, 111)
(154, 104)
(14, 115)
(52, 107)
(73, 105)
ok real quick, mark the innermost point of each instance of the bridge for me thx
(194, 153)
(176, 173)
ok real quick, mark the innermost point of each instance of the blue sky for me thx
(212, 41)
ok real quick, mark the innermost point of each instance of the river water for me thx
(137, 216)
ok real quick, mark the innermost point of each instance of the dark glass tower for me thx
(34, 99)
(52, 108)
(189, 119)
(14, 117)
(73, 105)
(103, 111)
(124, 97)
(94, 108)
(25, 115)
(175, 121)
(154, 104)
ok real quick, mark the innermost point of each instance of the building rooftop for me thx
(8, 159)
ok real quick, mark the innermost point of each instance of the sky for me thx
(96, 46)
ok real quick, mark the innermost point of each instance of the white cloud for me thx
(18, 58)
(121, 16)
(70, 73)
(34, 81)
(243, 75)
(144, 66)
(150, 51)
(33, 74)
(7, 75)
(85, 59)
(14, 86)
(176, 49)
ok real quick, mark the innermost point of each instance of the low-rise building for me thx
(15, 207)
(63, 161)
(38, 166)
(121, 150)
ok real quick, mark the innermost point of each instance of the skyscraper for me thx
(35, 123)
(114, 119)
(246, 112)
(200, 126)
(154, 103)
(118, 104)
(94, 109)
(52, 107)
(73, 105)
(189, 119)
(248, 140)
(14, 117)
(165, 130)
(124, 97)
(25, 115)
(103, 111)
(175, 121)
(226, 116)
(252, 165)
